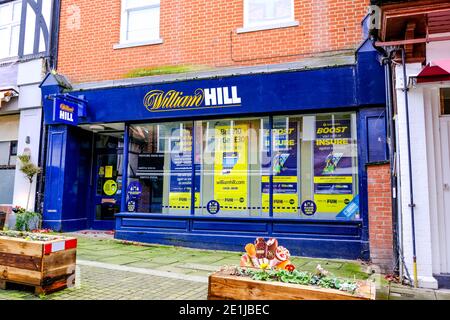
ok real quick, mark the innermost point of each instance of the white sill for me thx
(137, 44)
(268, 27)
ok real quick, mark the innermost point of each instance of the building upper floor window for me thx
(8, 154)
(140, 21)
(267, 12)
(445, 101)
(10, 14)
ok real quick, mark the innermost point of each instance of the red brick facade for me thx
(380, 216)
(200, 32)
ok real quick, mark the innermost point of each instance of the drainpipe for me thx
(387, 61)
(411, 193)
(392, 149)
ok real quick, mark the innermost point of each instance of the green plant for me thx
(24, 219)
(159, 70)
(300, 277)
(29, 169)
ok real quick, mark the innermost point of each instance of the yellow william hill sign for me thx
(172, 100)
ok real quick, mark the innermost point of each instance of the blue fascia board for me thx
(307, 90)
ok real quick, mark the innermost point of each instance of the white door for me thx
(445, 148)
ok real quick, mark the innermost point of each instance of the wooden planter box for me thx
(46, 265)
(226, 287)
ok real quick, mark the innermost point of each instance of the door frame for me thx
(93, 223)
(444, 170)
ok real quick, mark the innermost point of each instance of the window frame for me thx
(125, 8)
(271, 24)
(10, 25)
(357, 163)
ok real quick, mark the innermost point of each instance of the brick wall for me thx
(380, 216)
(200, 32)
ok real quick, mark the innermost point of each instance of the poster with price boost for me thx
(231, 167)
(284, 169)
(333, 169)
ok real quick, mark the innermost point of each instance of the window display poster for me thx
(284, 170)
(181, 170)
(231, 166)
(108, 171)
(333, 179)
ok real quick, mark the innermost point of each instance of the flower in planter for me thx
(321, 272)
(264, 266)
(18, 209)
(290, 267)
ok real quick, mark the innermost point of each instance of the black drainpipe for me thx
(387, 62)
(411, 192)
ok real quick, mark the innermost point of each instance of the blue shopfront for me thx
(213, 162)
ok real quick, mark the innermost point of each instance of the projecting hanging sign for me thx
(67, 109)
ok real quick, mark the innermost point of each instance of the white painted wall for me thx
(30, 125)
(9, 125)
(420, 178)
(30, 26)
(439, 49)
(29, 76)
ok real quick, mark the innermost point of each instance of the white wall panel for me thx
(29, 31)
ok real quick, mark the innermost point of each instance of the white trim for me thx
(248, 25)
(9, 25)
(137, 44)
(269, 27)
(124, 43)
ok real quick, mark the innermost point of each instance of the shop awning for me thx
(6, 95)
(438, 70)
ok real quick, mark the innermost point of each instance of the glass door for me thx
(107, 166)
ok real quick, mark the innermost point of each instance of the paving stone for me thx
(199, 267)
(144, 264)
(442, 294)
(122, 259)
(175, 269)
(163, 260)
(407, 293)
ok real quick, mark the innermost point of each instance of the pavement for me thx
(109, 269)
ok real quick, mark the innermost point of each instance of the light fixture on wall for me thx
(97, 127)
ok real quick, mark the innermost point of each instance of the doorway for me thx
(107, 165)
(444, 129)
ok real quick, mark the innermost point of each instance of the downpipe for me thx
(411, 192)
(386, 61)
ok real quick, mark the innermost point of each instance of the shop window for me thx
(303, 167)
(267, 12)
(140, 21)
(160, 168)
(8, 153)
(329, 167)
(314, 167)
(231, 156)
(12, 153)
(10, 14)
(445, 101)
